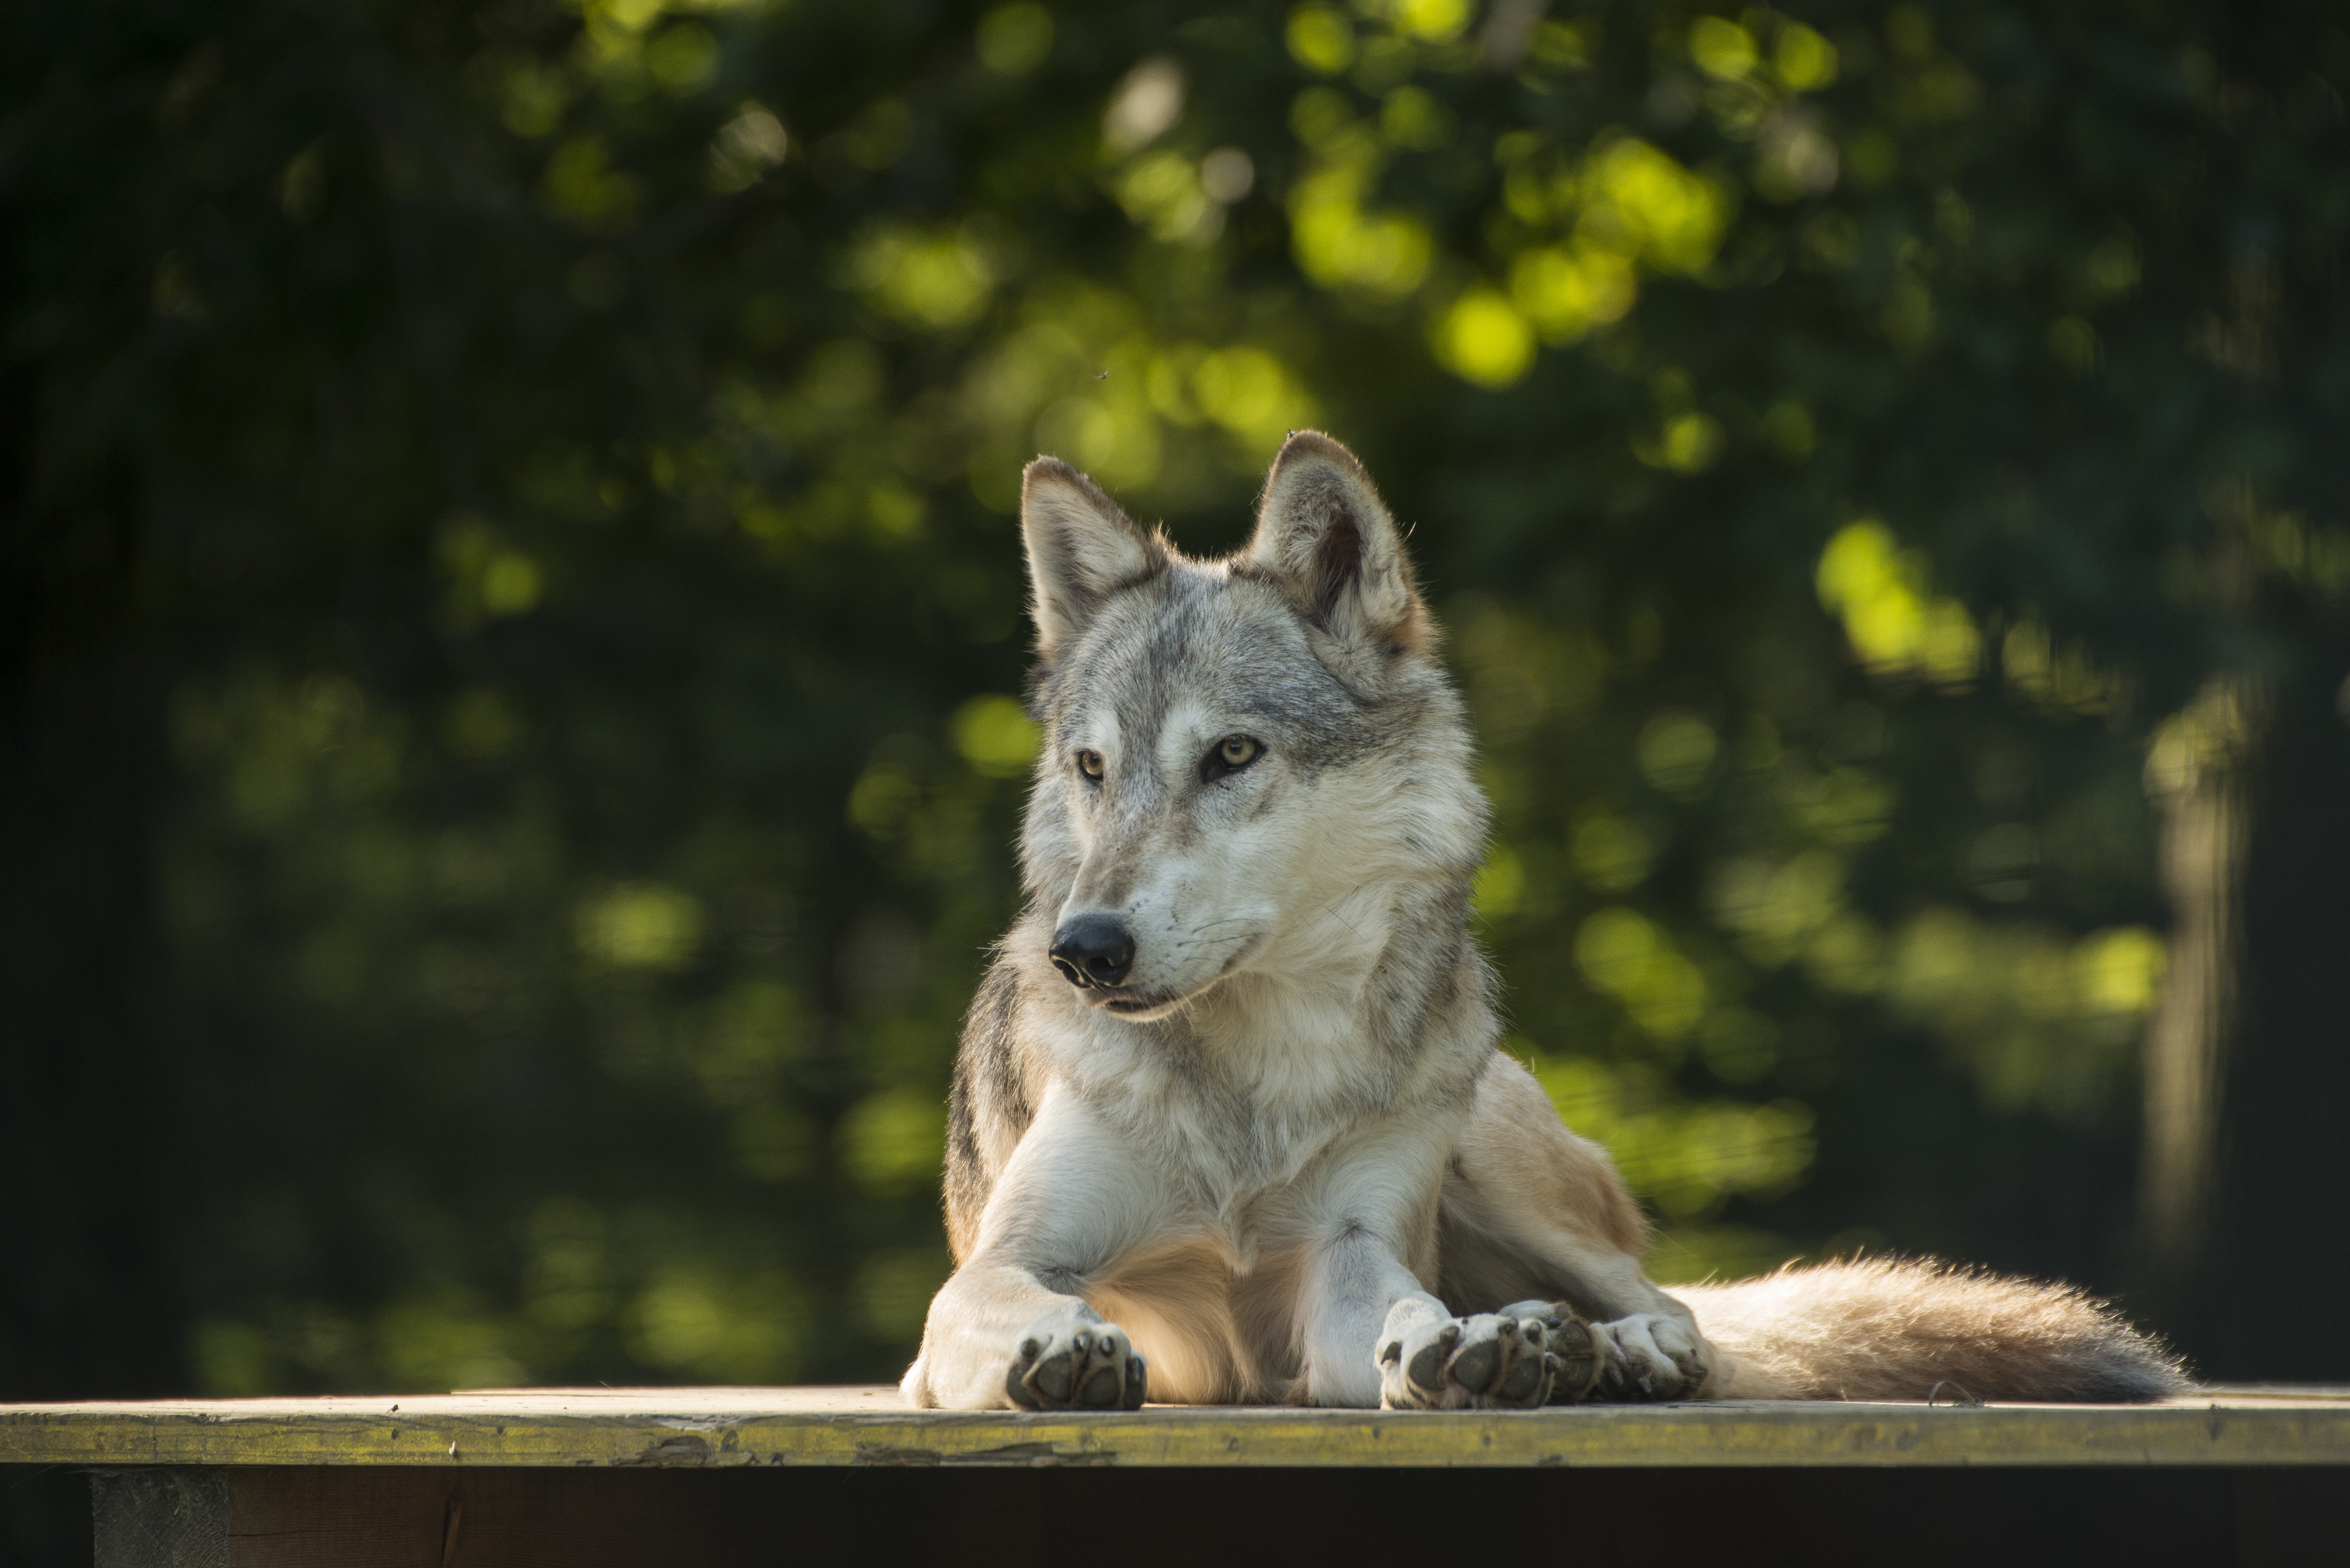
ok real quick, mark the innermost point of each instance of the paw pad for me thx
(1068, 1362)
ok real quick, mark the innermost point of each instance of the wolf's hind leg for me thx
(1650, 1356)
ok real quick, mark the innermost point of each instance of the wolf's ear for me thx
(1081, 549)
(1325, 539)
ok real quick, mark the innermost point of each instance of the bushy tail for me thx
(1888, 1330)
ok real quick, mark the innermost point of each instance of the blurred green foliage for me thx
(574, 449)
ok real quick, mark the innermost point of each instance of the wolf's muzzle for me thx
(1093, 949)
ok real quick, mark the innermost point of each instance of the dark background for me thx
(511, 626)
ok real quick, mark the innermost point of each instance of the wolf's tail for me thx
(1886, 1330)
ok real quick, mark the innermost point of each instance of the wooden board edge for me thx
(1621, 1438)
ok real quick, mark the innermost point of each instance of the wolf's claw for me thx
(1071, 1360)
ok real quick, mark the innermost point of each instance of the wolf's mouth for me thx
(1129, 1005)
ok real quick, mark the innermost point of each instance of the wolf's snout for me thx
(1093, 949)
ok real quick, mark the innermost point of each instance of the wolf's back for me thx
(1886, 1330)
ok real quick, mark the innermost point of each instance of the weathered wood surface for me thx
(725, 1427)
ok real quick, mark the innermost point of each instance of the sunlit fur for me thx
(1873, 1329)
(1286, 1136)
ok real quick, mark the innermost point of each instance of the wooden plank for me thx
(726, 1427)
(160, 1519)
(384, 1517)
(399, 1516)
(353, 1516)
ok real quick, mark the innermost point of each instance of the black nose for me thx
(1093, 949)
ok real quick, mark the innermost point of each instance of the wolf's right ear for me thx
(1081, 549)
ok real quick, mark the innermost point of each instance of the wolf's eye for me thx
(1232, 753)
(1090, 764)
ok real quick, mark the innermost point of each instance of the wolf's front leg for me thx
(1533, 1353)
(1372, 1334)
(1011, 1328)
(998, 1336)
(1356, 1283)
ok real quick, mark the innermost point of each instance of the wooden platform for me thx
(591, 1478)
(722, 1427)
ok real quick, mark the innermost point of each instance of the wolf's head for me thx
(1252, 766)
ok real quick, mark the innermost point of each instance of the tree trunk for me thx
(2280, 1262)
(2195, 770)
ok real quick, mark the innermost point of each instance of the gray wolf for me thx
(1230, 1122)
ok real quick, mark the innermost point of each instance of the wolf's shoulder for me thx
(991, 1063)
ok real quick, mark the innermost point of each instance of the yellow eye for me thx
(1090, 764)
(1237, 752)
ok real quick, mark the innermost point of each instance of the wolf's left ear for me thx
(1325, 537)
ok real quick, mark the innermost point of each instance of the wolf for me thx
(1231, 1122)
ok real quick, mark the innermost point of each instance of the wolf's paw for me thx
(1504, 1360)
(1071, 1360)
(1650, 1357)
